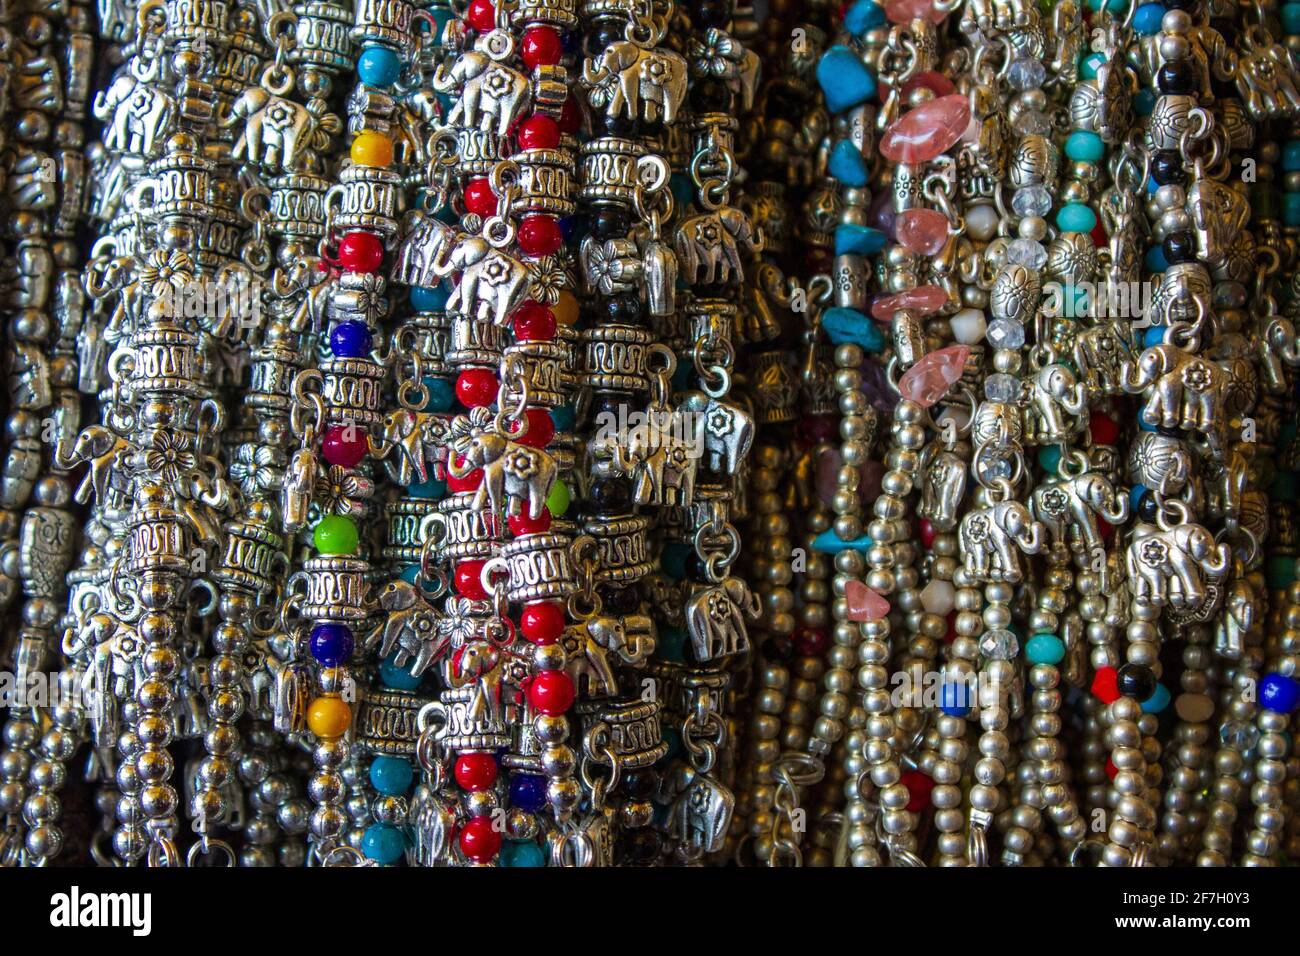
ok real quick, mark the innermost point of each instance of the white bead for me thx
(968, 326)
(982, 222)
(939, 597)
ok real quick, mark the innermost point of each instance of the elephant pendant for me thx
(1069, 508)
(701, 814)
(590, 644)
(1098, 354)
(715, 618)
(412, 628)
(709, 245)
(1182, 389)
(1179, 566)
(635, 80)
(991, 540)
(942, 489)
(491, 96)
(1056, 406)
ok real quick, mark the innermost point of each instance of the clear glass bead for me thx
(1026, 73)
(1001, 387)
(1000, 645)
(1005, 334)
(1027, 252)
(1032, 201)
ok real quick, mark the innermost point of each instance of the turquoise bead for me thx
(1144, 101)
(674, 741)
(1135, 496)
(391, 775)
(1158, 700)
(442, 393)
(1090, 64)
(1076, 217)
(828, 542)
(383, 843)
(682, 375)
(674, 558)
(1114, 6)
(563, 418)
(1290, 16)
(863, 16)
(441, 16)
(397, 678)
(1291, 209)
(847, 165)
(683, 190)
(671, 645)
(429, 299)
(851, 239)
(1279, 571)
(1154, 335)
(844, 78)
(1049, 456)
(378, 66)
(851, 327)
(431, 490)
(1045, 649)
(1084, 147)
(1291, 152)
(523, 854)
(1146, 19)
(1155, 260)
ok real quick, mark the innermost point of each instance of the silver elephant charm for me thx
(636, 80)
(422, 255)
(1056, 406)
(1218, 213)
(492, 283)
(490, 95)
(715, 618)
(943, 484)
(660, 454)
(1182, 389)
(721, 429)
(411, 628)
(1266, 79)
(136, 113)
(701, 815)
(1098, 353)
(708, 245)
(590, 645)
(1069, 508)
(418, 438)
(514, 475)
(991, 540)
(1175, 565)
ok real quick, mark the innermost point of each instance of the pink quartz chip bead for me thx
(921, 134)
(934, 373)
(863, 603)
(923, 300)
(905, 11)
(933, 81)
(923, 231)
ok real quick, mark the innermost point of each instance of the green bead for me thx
(1049, 456)
(1076, 217)
(1084, 147)
(1045, 649)
(1279, 571)
(1090, 64)
(557, 502)
(335, 535)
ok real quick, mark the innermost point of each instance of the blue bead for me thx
(378, 66)
(956, 698)
(1158, 700)
(1076, 217)
(863, 16)
(1279, 693)
(429, 299)
(397, 678)
(391, 776)
(671, 645)
(851, 327)
(383, 843)
(1290, 17)
(847, 165)
(1291, 152)
(563, 418)
(431, 490)
(572, 227)
(351, 340)
(683, 190)
(442, 394)
(331, 644)
(1291, 209)
(1146, 19)
(1145, 425)
(1153, 335)
(673, 559)
(1144, 101)
(1155, 259)
(528, 792)
(844, 78)
(523, 854)
(1135, 496)
(828, 542)
(852, 239)
(440, 16)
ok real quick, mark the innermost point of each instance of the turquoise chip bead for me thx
(383, 843)
(1146, 19)
(1076, 217)
(378, 66)
(1045, 649)
(1084, 147)
(828, 542)
(844, 78)
(847, 165)
(852, 239)
(1158, 700)
(863, 16)
(391, 775)
(1290, 16)
(851, 327)
(1154, 335)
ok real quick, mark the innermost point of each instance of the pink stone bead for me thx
(905, 11)
(923, 231)
(923, 300)
(930, 378)
(921, 134)
(933, 81)
(863, 603)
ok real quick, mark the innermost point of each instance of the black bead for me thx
(610, 221)
(711, 13)
(611, 496)
(1167, 168)
(623, 308)
(639, 784)
(1137, 681)
(620, 601)
(618, 125)
(696, 568)
(606, 404)
(1179, 247)
(711, 96)
(643, 845)
(1189, 6)
(778, 648)
(607, 31)
(1147, 508)
(1176, 76)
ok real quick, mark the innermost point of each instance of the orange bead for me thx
(329, 717)
(566, 310)
(372, 149)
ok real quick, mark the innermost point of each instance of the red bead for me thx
(470, 482)
(927, 533)
(476, 771)
(951, 634)
(476, 387)
(1105, 430)
(479, 197)
(534, 322)
(918, 787)
(538, 132)
(1105, 528)
(551, 693)
(540, 428)
(1105, 685)
(482, 16)
(521, 524)
(361, 252)
(812, 641)
(1099, 237)
(541, 47)
(1111, 769)
(539, 236)
(570, 116)
(542, 622)
(468, 579)
(815, 429)
(344, 445)
(479, 840)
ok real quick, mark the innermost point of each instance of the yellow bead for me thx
(372, 149)
(566, 310)
(329, 717)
